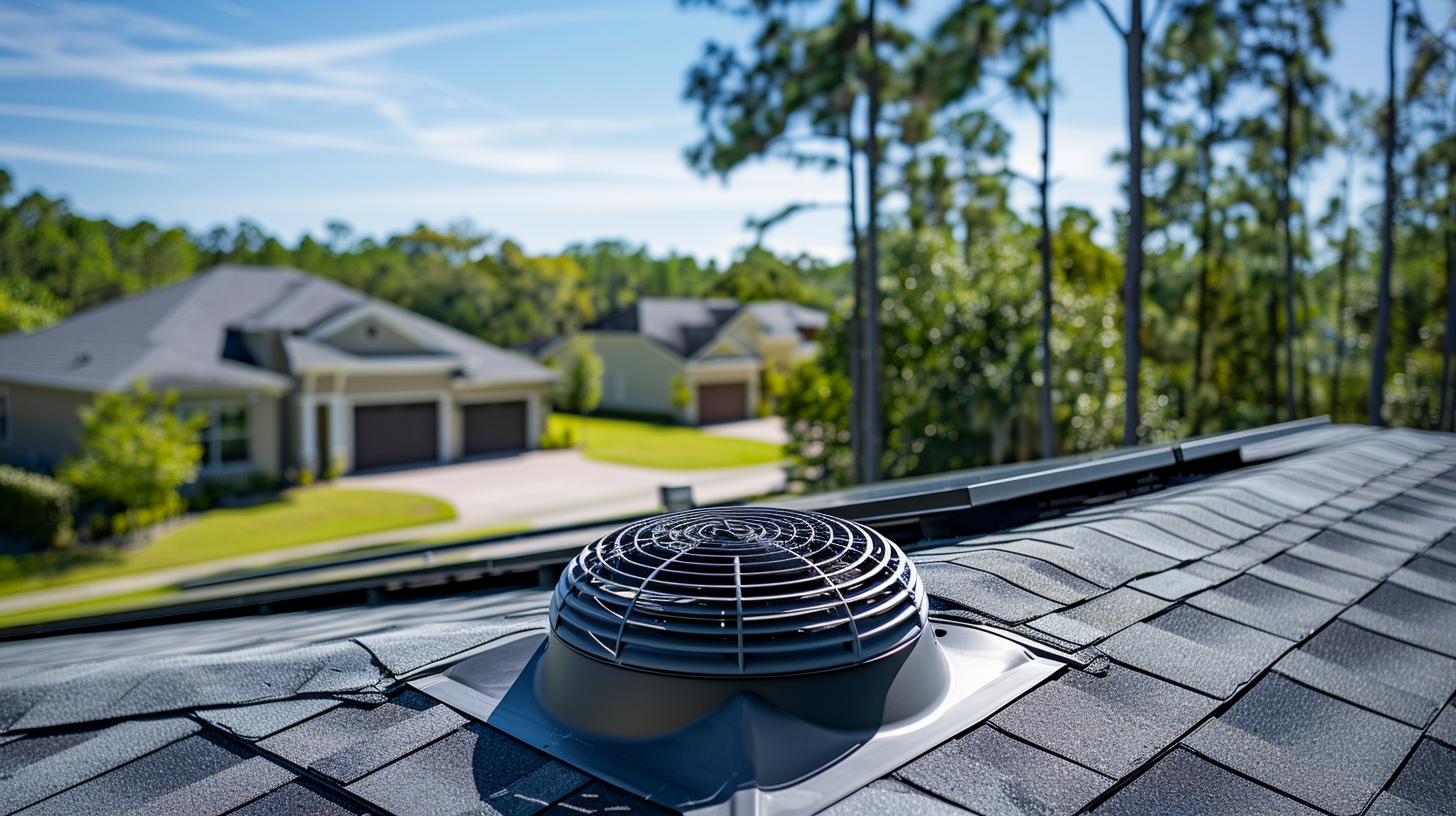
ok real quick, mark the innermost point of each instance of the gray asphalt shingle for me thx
(1186, 784)
(1373, 671)
(1245, 555)
(85, 760)
(1111, 724)
(150, 777)
(1313, 579)
(1101, 616)
(1092, 556)
(983, 592)
(1269, 607)
(996, 775)
(1341, 552)
(1428, 576)
(409, 735)
(1404, 615)
(1031, 574)
(1428, 782)
(258, 721)
(472, 767)
(890, 796)
(1306, 744)
(298, 799)
(1444, 728)
(224, 791)
(1195, 649)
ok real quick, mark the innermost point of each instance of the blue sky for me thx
(551, 121)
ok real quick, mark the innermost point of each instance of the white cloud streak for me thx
(77, 158)
(140, 52)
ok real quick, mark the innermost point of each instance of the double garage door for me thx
(409, 434)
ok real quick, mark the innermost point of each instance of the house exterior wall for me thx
(43, 424)
(265, 429)
(356, 339)
(637, 375)
(385, 384)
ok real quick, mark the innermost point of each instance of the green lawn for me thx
(661, 446)
(300, 516)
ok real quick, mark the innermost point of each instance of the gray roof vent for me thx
(740, 592)
(741, 661)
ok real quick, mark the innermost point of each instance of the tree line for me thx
(54, 262)
(1228, 298)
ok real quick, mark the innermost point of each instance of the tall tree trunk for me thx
(1048, 431)
(1387, 236)
(1132, 284)
(1205, 271)
(857, 283)
(1447, 398)
(1342, 303)
(1271, 354)
(1285, 214)
(870, 382)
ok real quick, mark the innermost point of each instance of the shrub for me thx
(135, 450)
(562, 436)
(35, 508)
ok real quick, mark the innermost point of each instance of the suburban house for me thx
(709, 351)
(294, 370)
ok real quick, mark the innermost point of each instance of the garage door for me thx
(494, 427)
(724, 402)
(388, 435)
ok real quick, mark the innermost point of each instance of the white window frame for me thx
(7, 417)
(212, 436)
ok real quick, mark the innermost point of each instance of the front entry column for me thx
(308, 433)
(445, 427)
(340, 426)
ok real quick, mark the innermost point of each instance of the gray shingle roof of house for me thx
(1276, 639)
(174, 336)
(686, 325)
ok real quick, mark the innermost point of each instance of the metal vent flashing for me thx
(741, 661)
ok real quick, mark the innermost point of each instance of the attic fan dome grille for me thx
(740, 592)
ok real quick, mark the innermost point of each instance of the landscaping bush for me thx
(35, 508)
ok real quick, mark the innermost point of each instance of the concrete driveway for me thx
(548, 488)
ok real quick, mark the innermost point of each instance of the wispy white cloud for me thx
(77, 158)
(145, 53)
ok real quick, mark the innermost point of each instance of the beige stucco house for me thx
(715, 348)
(295, 371)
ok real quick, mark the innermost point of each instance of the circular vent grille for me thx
(739, 591)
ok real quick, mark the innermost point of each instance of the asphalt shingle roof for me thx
(174, 336)
(1278, 639)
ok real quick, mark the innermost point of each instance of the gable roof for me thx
(1279, 638)
(174, 336)
(688, 325)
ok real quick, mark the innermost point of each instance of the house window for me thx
(227, 439)
(4, 416)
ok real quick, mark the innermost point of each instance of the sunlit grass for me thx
(301, 516)
(661, 446)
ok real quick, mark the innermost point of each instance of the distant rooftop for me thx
(1277, 638)
(176, 335)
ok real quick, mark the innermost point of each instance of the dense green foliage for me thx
(135, 450)
(34, 509)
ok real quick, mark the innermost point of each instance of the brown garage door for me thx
(494, 427)
(388, 435)
(724, 402)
